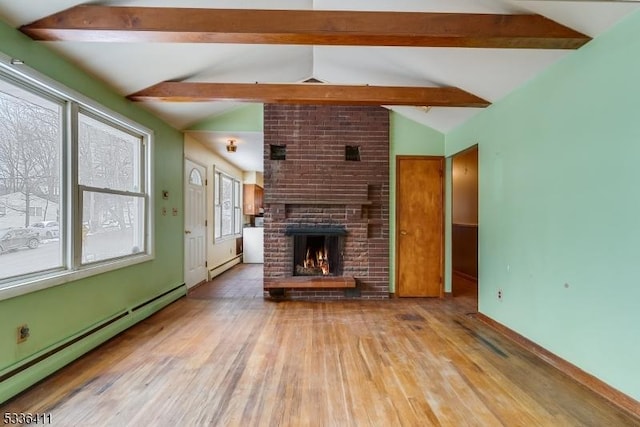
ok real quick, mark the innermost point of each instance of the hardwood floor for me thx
(222, 358)
(242, 281)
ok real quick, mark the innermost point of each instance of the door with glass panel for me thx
(195, 269)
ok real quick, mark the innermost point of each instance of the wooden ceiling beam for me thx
(309, 93)
(303, 27)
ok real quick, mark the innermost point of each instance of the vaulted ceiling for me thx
(201, 58)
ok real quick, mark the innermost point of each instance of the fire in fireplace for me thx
(317, 259)
(317, 251)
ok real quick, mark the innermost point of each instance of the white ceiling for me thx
(249, 152)
(488, 73)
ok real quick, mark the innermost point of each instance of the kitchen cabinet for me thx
(252, 199)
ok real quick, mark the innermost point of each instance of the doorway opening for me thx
(464, 229)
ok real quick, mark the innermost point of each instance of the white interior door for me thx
(195, 214)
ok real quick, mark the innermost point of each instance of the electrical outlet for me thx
(500, 294)
(22, 333)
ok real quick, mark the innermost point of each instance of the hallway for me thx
(242, 281)
(226, 356)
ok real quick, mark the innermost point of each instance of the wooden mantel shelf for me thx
(316, 282)
(318, 202)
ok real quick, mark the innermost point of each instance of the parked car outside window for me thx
(46, 229)
(15, 238)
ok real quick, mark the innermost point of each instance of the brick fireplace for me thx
(326, 197)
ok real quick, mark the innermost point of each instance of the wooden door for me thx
(419, 226)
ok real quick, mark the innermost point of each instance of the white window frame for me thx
(140, 194)
(71, 229)
(236, 229)
(237, 207)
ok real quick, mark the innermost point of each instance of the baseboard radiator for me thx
(27, 372)
(222, 267)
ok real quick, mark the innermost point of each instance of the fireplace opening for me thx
(317, 255)
(317, 250)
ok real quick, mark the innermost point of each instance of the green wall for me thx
(559, 207)
(247, 118)
(56, 314)
(406, 138)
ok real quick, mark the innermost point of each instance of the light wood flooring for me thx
(227, 357)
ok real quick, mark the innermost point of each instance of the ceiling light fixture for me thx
(231, 147)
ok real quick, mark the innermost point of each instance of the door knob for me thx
(403, 232)
(187, 231)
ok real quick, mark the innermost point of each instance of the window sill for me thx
(25, 286)
(225, 238)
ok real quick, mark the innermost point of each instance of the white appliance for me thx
(253, 245)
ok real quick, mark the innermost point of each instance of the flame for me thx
(308, 262)
(319, 260)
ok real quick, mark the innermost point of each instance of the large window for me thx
(227, 206)
(31, 140)
(111, 190)
(74, 185)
